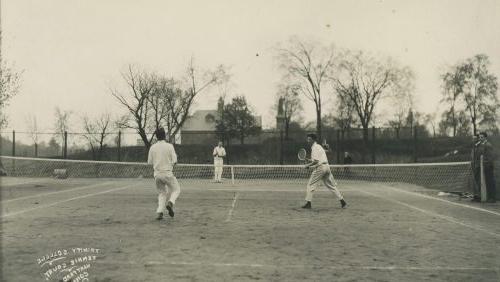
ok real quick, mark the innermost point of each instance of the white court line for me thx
(330, 267)
(230, 213)
(270, 190)
(447, 218)
(253, 190)
(64, 201)
(56, 192)
(442, 200)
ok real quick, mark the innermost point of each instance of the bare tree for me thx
(158, 101)
(345, 116)
(9, 86)
(456, 121)
(135, 99)
(61, 125)
(288, 104)
(430, 120)
(403, 90)
(480, 92)
(96, 131)
(155, 101)
(33, 129)
(178, 101)
(469, 88)
(453, 83)
(309, 66)
(365, 80)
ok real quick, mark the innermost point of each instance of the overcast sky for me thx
(72, 52)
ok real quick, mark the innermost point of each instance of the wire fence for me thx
(377, 145)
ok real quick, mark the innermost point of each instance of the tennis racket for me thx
(302, 155)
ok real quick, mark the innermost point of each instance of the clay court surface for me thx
(246, 232)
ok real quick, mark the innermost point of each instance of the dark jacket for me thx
(348, 160)
(486, 150)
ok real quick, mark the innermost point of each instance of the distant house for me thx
(200, 128)
(201, 120)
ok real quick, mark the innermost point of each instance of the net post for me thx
(232, 175)
(484, 192)
(65, 150)
(119, 145)
(13, 143)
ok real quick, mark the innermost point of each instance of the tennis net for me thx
(456, 176)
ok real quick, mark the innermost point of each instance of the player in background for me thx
(325, 145)
(486, 150)
(321, 172)
(219, 155)
(476, 167)
(163, 158)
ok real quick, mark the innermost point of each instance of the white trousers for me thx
(166, 184)
(322, 173)
(218, 167)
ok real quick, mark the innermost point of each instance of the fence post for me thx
(341, 145)
(374, 146)
(36, 150)
(65, 149)
(281, 147)
(338, 147)
(119, 145)
(13, 143)
(415, 158)
(226, 142)
(484, 192)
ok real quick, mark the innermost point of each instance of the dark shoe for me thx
(170, 209)
(343, 203)
(307, 205)
(160, 216)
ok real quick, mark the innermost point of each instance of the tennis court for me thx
(252, 229)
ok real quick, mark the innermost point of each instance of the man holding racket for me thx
(219, 155)
(163, 158)
(321, 172)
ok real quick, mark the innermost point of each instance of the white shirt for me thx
(221, 152)
(318, 153)
(162, 156)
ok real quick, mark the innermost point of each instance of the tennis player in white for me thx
(163, 158)
(321, 172)
(219, 155)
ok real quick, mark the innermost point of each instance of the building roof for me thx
(201, 120)
(205, 120)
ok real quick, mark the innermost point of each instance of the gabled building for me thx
(200, 128)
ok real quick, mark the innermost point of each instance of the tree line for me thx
(356, 81)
